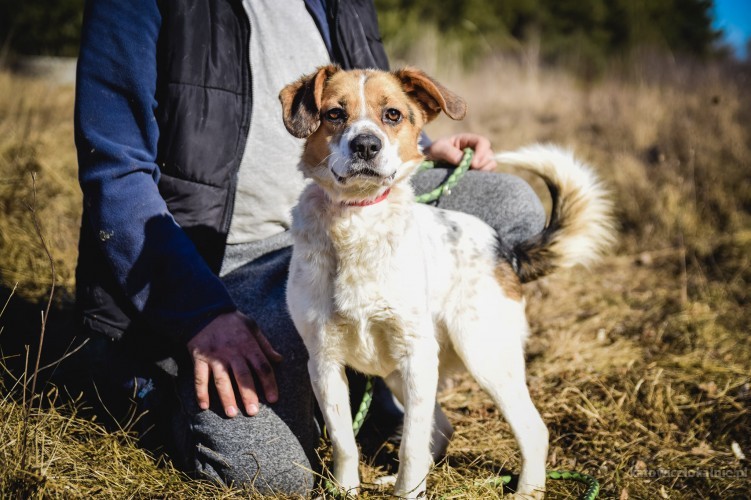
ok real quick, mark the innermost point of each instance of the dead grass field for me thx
(640, 363)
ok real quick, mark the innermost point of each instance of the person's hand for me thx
(451, 149)
(228, 348)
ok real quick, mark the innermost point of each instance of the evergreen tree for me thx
(588, 30)
(40, 26)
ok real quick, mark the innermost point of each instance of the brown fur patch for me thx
(431, 95)
(305, 100)
(324, 105)
(301, 102)
(509, 281)
(536, 257)
(382, 91)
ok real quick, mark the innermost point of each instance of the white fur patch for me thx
(363, 101)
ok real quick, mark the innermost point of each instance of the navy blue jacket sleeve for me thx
(153, 260)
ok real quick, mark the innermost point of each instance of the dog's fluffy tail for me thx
(581, 226)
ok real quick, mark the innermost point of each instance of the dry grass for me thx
(641, 363)
(72, 457)
(36, 136)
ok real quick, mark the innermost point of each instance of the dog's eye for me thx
(392, 115)
(335, 115)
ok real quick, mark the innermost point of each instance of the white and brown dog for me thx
(410, 292)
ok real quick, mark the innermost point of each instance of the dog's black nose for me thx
(365, 146)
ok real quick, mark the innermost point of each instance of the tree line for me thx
(594, 29)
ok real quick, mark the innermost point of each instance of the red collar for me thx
(365, 203)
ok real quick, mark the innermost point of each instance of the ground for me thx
(640, 366)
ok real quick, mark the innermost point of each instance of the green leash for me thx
(362, 411)
(593, 487)
(450, 182)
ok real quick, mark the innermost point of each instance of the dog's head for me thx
(362, 126)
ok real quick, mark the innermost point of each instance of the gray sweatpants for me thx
(274, 450)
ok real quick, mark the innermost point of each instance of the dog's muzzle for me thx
(365, 147)
(365, 161)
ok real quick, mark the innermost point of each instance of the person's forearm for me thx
(152, 259)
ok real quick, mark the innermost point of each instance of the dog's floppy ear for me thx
(301, 102)
(431, 95)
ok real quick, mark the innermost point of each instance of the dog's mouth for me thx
(363, 172)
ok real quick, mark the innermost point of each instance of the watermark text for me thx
(708, 473)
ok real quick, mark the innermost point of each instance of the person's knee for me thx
(269, 479)
(270, 462)
(505, 202)
(522, 214)
(270, 452)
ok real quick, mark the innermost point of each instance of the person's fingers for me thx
(266, 346)
(487, 162)
(451, 150)
(223, 383)
(201, 381)
(483, 154)
(444, 150)
(453, 155)
(264, 371)
(482, 146)
(245, 386)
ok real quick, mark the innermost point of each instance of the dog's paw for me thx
(418, 491)
(337, 490)
(411, 495)
(531, 495)
(346, 479)
(389, 480)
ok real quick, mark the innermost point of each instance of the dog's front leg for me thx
(420, 382)
(442, 428)
(332, 392)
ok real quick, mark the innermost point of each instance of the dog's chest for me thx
(371, 345)
(370, 310)
(368, 258)
(356, 280)
(373, 307)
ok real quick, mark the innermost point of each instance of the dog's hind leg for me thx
(330, 386)
(491, 346)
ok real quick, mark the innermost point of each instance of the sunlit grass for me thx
(640, 363)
